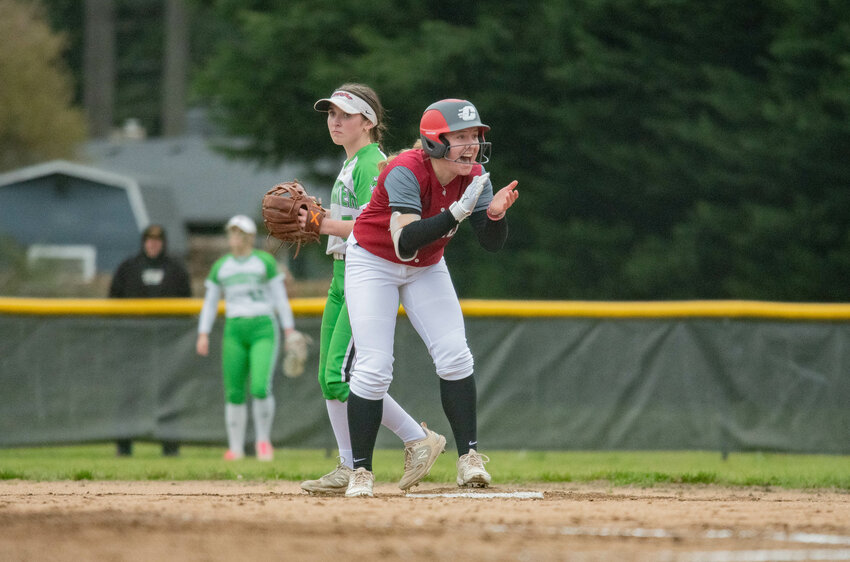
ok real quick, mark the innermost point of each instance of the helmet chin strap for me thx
(482, 157)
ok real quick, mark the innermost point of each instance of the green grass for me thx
(615, 468)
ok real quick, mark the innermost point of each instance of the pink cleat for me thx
(265, 452)
(232, 455)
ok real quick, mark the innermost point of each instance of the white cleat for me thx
(360, 484)
(471, 472)
(334, 482)
(420, 456)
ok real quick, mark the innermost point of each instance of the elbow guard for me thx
(397, 222)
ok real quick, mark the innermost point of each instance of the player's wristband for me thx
(493, 217)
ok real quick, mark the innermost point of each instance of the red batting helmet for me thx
(446, 116)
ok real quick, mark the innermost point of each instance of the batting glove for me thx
(463, 207)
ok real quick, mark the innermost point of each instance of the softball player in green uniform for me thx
(355, 122)
(255, 298)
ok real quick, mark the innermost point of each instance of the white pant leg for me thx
(431, 303)
(371, 292)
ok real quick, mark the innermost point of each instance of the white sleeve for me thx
(210, 309)
(280, 302)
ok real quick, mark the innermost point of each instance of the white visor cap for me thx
(349, 103)
(243, 223)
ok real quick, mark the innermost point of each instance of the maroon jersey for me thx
(372, 227)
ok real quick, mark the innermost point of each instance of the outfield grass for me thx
(616, 468)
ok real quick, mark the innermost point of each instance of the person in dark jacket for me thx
(150, 274)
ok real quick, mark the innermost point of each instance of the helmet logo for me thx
(466, 113)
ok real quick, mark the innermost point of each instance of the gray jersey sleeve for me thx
(403, 189)
(486, 195)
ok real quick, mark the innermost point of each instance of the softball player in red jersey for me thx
(355, 122)
(395, 255)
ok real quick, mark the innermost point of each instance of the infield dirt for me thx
(211, 521)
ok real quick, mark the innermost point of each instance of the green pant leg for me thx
(234, 361)
(265, 342)
(336, 347)
(333, 304)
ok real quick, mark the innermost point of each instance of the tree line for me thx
(665, 149)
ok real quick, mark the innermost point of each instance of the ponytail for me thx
(381, 165)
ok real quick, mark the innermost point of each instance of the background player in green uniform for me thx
(356, 122)
(255, 300)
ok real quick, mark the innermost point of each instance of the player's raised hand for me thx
(463, 207)
(502, 201)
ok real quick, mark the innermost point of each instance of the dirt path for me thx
(210, 521)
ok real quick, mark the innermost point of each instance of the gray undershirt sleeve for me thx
(403, 189)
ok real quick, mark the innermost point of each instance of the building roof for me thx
(129, 183)
(60, 203)
(209, 187)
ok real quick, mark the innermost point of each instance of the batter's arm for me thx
(409, 231)
(491, 234)
(489, 222)
(420, 232)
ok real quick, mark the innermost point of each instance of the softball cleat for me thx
(360, 484)
(265, 451)
(471, 472)
(420, 456)
(334, 482)
(233, 455)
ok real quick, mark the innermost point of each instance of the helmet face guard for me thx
(447, 116)
(482, 157)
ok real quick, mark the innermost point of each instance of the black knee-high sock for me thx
(459, 399)
(364, 421)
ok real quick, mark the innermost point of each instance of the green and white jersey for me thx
(252, 286)
(352, 189)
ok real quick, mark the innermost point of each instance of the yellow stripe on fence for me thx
(659, 309)
(471, 307)
(129, 307)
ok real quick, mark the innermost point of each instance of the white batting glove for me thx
(463, 207)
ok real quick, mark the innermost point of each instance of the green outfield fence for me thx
(552, 375)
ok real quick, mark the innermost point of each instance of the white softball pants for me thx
(373, 289)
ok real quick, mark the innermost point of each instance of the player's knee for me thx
(456, 375)
(450, 348)
(335, 391)
(370, 387)
(259, 392)
(234, 396)
(455, 362)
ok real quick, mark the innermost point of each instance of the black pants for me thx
(169, 448)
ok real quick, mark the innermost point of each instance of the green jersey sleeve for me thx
(213, 276)
(269, 262)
